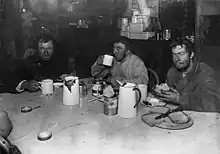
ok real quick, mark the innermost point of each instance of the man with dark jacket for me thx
(193, 83)
(47, 60)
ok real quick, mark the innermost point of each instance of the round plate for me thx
(152, 102)
(43, 136)
(165, 123)
(158, 94)
(157, 109)
(175, 126)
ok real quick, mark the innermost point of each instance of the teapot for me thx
(71, 90)
(128, 100)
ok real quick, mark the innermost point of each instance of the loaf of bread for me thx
(179, 117)
(162, 87)
(108, 91)
(155, 102)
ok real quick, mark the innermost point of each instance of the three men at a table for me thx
(193, 83)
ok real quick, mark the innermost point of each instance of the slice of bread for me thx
(179, 117)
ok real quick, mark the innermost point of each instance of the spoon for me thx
(26, 109)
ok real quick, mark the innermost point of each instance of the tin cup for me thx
(107, 60)
(82, 89)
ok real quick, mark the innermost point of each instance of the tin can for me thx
(82, 89)
(97, 89)
(111, 106)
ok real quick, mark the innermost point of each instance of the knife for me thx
(164, 115)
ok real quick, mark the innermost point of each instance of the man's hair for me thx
(183, 41)
(124, 40)
(46, 38)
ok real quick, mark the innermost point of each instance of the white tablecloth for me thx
(87, 130)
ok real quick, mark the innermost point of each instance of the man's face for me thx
(181, 57)
(46, 50)
(120, 51)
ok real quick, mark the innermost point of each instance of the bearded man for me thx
(193, 84)
(126, 66)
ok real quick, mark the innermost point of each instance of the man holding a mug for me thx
(48, 61)
(125, 66)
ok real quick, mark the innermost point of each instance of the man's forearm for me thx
(97, 70)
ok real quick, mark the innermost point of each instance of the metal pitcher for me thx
(128, 100)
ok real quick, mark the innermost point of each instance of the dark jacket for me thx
(198, 89)
(34, 68)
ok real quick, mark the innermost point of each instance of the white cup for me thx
(143, 89)
(107, 60)
(47, 86)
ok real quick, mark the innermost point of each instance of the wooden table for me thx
(86, 129)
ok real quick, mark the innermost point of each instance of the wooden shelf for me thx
(138, 36)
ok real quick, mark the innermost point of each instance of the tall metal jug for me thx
(127, 100)
(71, 90)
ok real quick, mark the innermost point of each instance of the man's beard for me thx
(184, 66)
(120, 58)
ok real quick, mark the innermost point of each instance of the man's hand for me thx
(31, 85)
(100, 60)
(114, 83)
(62, 77)
(171, 95)
(29, 52)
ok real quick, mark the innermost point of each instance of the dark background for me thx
(87, 44)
